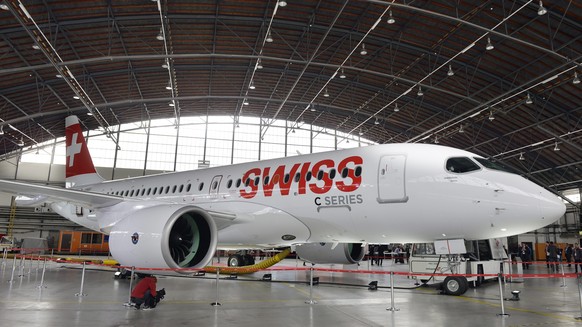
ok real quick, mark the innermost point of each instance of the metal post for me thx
(563, 275)
(13, 269)
(511, 268)
(311, 301)
(501, 297)
(130, 285)
(216, 303)
(578, 279)
(30, 264)
(41, 286)
(21, 266)
(82, 282)
(392, 307)
(4, 256)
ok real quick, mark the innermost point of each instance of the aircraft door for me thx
(215, 185)
(391, 179)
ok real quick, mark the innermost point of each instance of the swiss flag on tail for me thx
(79, 166)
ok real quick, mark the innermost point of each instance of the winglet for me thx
(79, 166)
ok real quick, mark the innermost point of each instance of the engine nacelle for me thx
(164, 236)
(343, 253)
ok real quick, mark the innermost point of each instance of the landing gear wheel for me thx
(249, 260)
(454, 285)
(236, 260)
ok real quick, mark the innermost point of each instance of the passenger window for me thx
(297, 177)
(247, 182)
(345, 172)
(320, 175)
(201, 186)
(308, 176)
(214, 185)
(238, 182)
(181, 188)
(257, 180)
(266, 180)
(229, 183)
(174, 189)
(460, 165)
(188, 187)
(167, 189)
(286, 179)
(358, 171)
(332, 174)
(131, 194)
(149, 191)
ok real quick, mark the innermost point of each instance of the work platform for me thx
(342, 299)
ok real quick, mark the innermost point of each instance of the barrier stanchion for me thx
(82, 282)
(503, 314)
(41, 286)
(510, 268)
(13, 269)
(311, 301)
(30, 264)
(392, 307)
(216, 303)
(578, 281)
(4, 256)
(130, 287)
(21, 266)
(563, 275)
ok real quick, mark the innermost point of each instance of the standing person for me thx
(577, 258)
(552, 258)
(525, 254)
(569, 251)
(144, 293)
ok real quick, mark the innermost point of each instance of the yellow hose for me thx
(250, 269)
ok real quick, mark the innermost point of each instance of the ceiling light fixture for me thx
(269, 37)
(245, 102)
(363, 52)
(436, 140)
(489, 45)
(361, 133)
(450, 72)
(376, 122)
(259, 64)
(342, 75)
(59, 76)
(541, 9)
(396, 107)
(461, 130)
(312, 107)
(252, 86)
(556, 147)
(576, 79)
(21, 142)
(528, 100)
(4, 7)
(420, 93)
(169, 86)
(172, 104)
(160, 36)
(166, 64)
(76, 97)
(491, 117)
(326, 94)
(521, 157)
(35, 47)
(282, 3)
(391, 19)
(1, 129)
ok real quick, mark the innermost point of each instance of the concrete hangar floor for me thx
(343, 299)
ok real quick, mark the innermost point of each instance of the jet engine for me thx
(164, 236)
(342, 253)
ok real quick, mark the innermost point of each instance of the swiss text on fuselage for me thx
(278, 178)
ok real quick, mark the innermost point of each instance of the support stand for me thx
(503, 314)
(41, 286)
(392, 307)
(216, 303)
(311, 301)
(82, 282)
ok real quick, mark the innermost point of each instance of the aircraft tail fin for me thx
(79, 165)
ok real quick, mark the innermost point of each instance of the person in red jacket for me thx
(144, 292)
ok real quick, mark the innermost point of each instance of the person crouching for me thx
(144, 293)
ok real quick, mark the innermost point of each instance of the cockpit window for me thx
(493, 165)
(460, 165)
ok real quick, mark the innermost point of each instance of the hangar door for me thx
(391, 179)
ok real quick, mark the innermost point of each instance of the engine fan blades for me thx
(181, 239)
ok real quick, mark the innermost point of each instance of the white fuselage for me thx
(389, 193)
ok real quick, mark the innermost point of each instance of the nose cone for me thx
(551, 207)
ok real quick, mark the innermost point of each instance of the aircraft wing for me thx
(42, 193)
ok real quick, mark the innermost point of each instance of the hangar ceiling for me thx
(304, 61)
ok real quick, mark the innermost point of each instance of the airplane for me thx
(327, 206)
